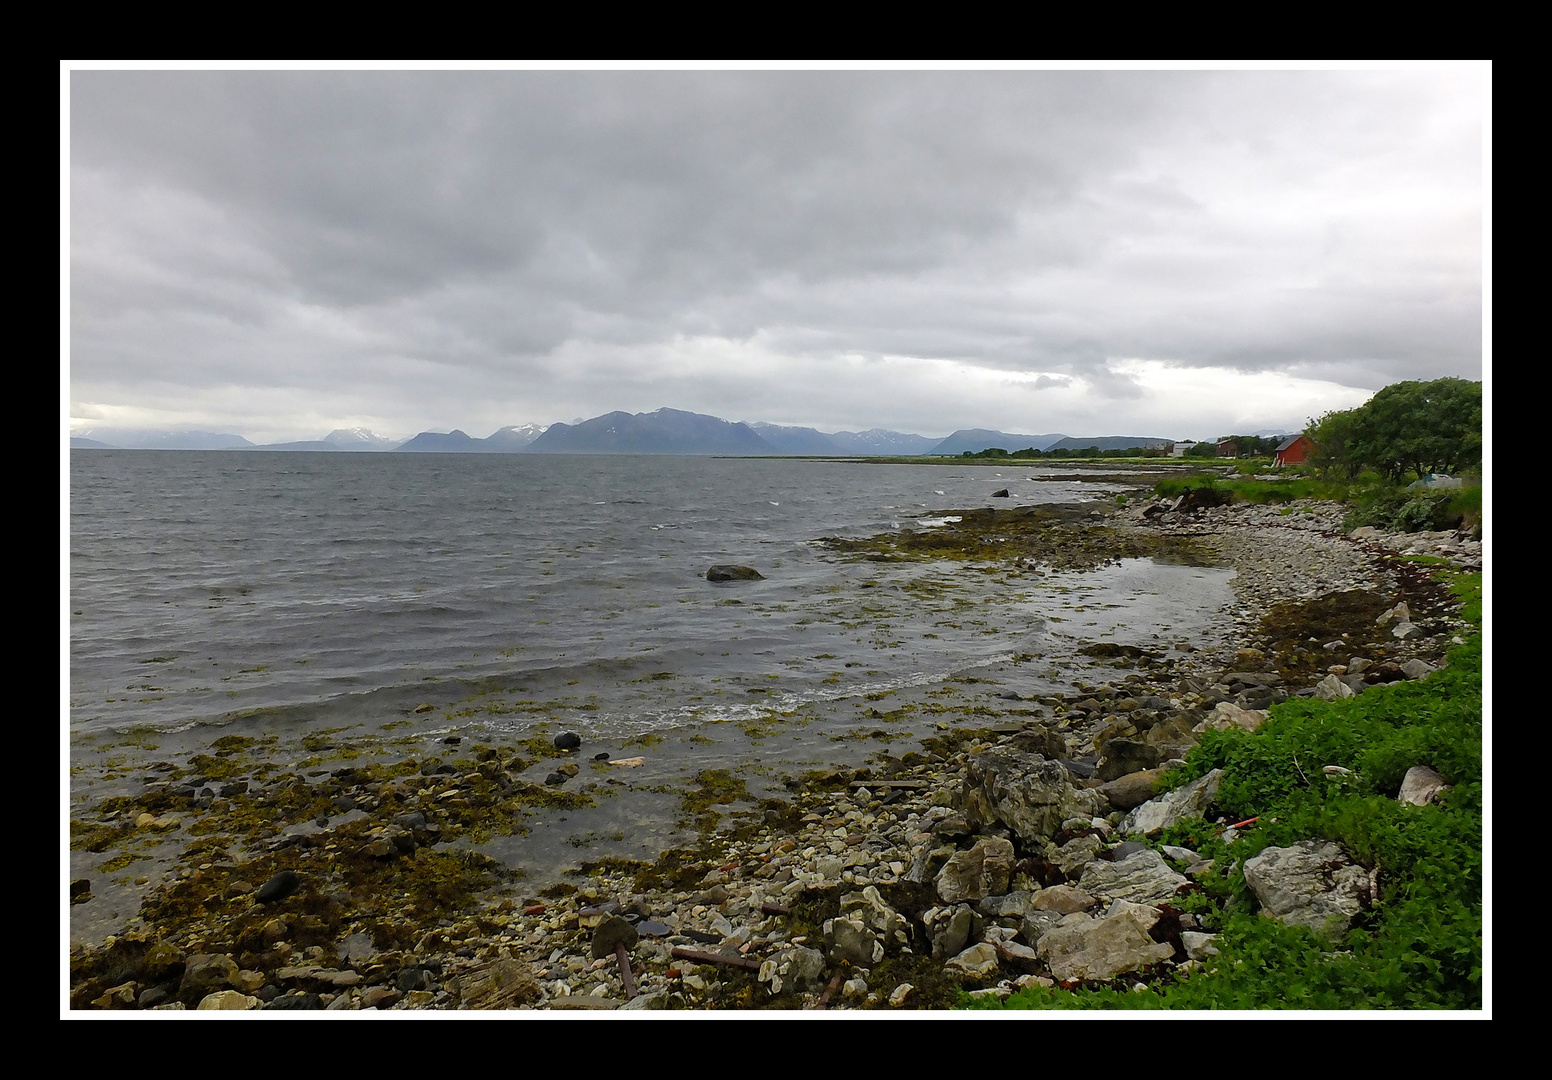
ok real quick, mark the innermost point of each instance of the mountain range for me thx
(666, 431)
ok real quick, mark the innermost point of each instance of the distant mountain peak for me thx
(664, 431)
(358, 438)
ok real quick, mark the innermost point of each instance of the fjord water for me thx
(504, 595)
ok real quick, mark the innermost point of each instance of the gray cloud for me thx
(548, 242)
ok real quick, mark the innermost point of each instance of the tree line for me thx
(1408, 427)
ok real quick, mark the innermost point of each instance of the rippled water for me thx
(407, 597)
(205, 585)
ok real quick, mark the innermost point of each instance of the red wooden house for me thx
(1293, 450)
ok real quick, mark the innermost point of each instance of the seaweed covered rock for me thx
(731, 572)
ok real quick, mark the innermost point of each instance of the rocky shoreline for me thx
(993, 857)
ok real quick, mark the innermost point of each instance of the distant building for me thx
(1228, 447)
(1293, 450)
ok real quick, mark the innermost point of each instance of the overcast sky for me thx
(1168, 253)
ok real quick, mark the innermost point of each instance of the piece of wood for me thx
(829, 991)
(625, 972)
(775, 909)
(715, 958)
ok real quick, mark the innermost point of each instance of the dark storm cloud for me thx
(330, 229)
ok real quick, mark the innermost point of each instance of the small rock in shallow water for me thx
(568, 741)
(278, 887)
(730, 572)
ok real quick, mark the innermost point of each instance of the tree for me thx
(1332, 434)
(1419, 427)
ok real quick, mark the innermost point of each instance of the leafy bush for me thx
(1425, 513)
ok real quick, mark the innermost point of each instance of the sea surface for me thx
(498, 596)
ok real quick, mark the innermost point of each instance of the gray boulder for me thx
(979, 961)
(951, 931)
(1227, 715)
(1016, 904)
(1124, 756)
(1063, 899)
(794, 969)
(1100, 949)
(1130, 792)
(1077, 853)
(1332, 688)
(982, 871)
(1026, 792)
(1191, 801)
(869, 907)
(852, 940)
(1421, 786)
(1145, 878)
(1312, 884)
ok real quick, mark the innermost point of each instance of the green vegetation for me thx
(1405, 431)
(1365, 458)
(1419, 946)
(1061, 453)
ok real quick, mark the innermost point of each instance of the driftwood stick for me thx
(625, 972)
(715, 958)
(829, 991)
(775, 909)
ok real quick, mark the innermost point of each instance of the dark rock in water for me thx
(80, 887)
(568, 741)
(601, 757)
(1001, 493)
(453, 740)
(730, 572)
(555, 779)
(278, 887)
